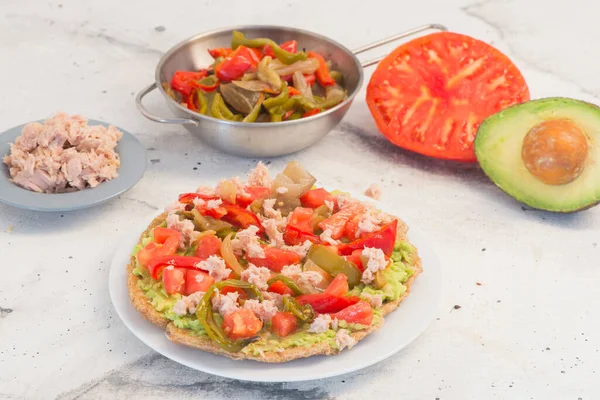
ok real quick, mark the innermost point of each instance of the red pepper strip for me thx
(291, 46)
(188, 198)
(322, 72)
(292, 91)
(254, 193)
(241, 217)
(275, 259)
(287, 114)
(208, 88)
(219, 52)
(310, 79)
(383, 239)
(327, 303)
(311, 112)
(190, 101)
(237, 63)
(185, 81)
(158, 263)
(294, 236)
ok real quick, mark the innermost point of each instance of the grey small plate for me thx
(133, 165)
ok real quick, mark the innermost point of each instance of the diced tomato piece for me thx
(215, 212)
(435, 107)
(231, 289)
(173, 280)
(327, 303)
(355, 259)
(241, 217)
(275, 259)
(157, 264)
(241, 324)
(383, 239)
(316, 197)
(166, 242)
(254, 193)
(359, 313)
(281, 288)
(197, 281)
(188, 198)
(351, 228)
(338, 286)
(294, 236)
(301, 218)
(290, 46)
(208, 245)
(337, 222)
(283, 323)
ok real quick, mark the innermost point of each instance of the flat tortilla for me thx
(141, 302)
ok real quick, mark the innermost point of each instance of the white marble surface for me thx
(529, 331)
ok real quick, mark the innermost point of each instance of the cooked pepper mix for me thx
(258, 80)
(247, 265)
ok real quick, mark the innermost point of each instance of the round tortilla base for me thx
(141, 302)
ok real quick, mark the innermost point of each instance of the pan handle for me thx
(155, 118)
(392, 39)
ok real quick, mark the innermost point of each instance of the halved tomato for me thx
(196, 281)
(430, 94)
(241, 324)
(339, 285)
(283, 323)
(173, 280)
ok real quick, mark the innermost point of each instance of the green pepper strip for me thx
(202, 105)
(295, 115)
(206, 317)
(303, 313)
(299, 101)
(287, 281)
(219, 109)
(337, 76)
(251, 117)
(238, 39)
(278, 100)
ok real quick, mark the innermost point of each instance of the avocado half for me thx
(499, 150)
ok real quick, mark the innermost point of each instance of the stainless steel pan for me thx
(262, 139)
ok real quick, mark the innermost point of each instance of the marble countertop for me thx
(526, 281)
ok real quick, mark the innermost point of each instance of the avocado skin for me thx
(534, 108)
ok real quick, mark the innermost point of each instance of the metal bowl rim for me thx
(194, 115)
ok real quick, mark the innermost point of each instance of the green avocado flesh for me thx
(498, 147)
(396, 274)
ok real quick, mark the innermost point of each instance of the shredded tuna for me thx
(320, 324)
(206, 190)
(185, 227)
(269, 211)
(375, 300)
(373, 191)
(343, 340)
(326, 237)
(300, 249)
(372, 220)
(225, 304)
(246, 240)
(334, 324)
(273, 229)
(309, 278)
(376, 262)
(188, 304)
(199, 202)
(275, 297)
(64, 154)
(213, 203)
(330, 204)
(264, 310)
(176, 206)
(291, 270)
(259, 176)
(258, 276)
(216, 267)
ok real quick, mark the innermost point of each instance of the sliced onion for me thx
(307, 66)
(266, 74)
(249, 76)
(309, 265)
(302, 86)
(294, 190)
(229, 257)
(254, 86)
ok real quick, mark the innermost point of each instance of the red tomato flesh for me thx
(338, 286)
(254, 193)
(173, 280)
(275, 259)
(316, 197)
(283, 323)
(337, 222)
(383, 239)
(241, 324)
(355, 259)
(327, 303)
(359, 313)
(166, 242)
(208, 246)
(280, 288)
(430, 94)
(196, 281)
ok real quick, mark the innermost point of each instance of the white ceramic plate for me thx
(131, 170)
(401, 327)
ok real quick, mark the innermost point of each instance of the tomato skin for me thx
(208, 245)
(355, 259)
(383, 239)
(430, 94)
(338, 286)
(359, 313)
(283, 323)
(327, 303)
(230, 289)
(241, 217)
(316, 197)
(166, 241)
(191, 281)
(173, 280)
(275, 259)
(337, 222)
(241, 324)
(254, 193)
(280, 288)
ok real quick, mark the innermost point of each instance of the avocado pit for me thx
(554, 151)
